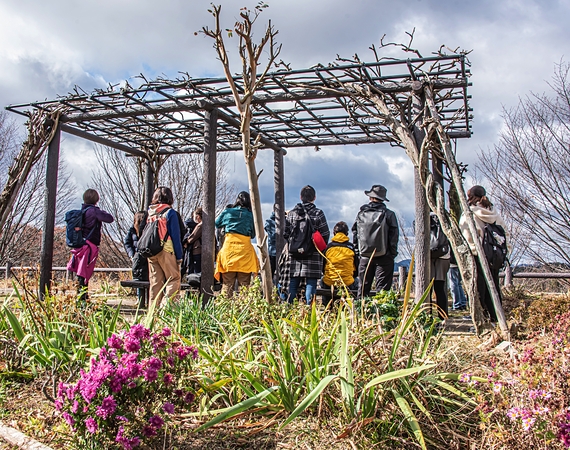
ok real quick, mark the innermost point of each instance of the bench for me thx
(145, 285)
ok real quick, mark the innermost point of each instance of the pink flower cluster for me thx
(133, 381)
(564, 430)
(528, 416)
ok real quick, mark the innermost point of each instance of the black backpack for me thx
(301, 244)
(439, 244)
(495, 245)
(150, 243)
(372, 232)
(74, 228)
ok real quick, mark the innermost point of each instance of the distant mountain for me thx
(403, 263)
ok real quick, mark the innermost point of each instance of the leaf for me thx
(310, 398)
(397, 374)
(410, 418)
(236, 409)
(15, 324)
(345, 371)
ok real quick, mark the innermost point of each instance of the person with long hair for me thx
(83, 259)
(164, 268)
(483, 213)
(193, 243)
(236, 260)
(139, 262)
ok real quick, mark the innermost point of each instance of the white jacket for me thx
(481, 216)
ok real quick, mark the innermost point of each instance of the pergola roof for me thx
(293, 108)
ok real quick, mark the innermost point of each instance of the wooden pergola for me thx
(293, 108)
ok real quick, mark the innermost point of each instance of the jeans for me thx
(310, 289)
(457, 293)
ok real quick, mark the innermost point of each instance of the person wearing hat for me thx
(375, 236)
(483, 213)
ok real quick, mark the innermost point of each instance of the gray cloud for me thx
(48, 47)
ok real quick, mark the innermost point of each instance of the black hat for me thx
(377, 191)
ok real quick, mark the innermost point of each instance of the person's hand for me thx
(179, 261)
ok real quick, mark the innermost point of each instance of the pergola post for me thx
(148, 184)
(422, 228)
(279, 206)
(46, 259)
(421, 232)
(209, 205)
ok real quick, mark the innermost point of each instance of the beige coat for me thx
(481, 216)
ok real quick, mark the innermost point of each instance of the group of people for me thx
(308, 260)
(181, 251)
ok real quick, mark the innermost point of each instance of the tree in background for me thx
(120, 183)
(528, 172)
(20, 239)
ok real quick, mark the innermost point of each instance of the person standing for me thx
(83, 259)
(164, 267)
(440, 254)
(483, 214)
(375, 236)
(139, 262)
(236, 260)
(458, 297)
(193, 242)
(271, 244)
(309, 267)
(186, 266)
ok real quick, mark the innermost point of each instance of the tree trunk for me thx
(249, 155)
(465, 259)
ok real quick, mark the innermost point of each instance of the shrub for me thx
(525, 401)
(131, 390)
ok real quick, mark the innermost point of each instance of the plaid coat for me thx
(311, 267)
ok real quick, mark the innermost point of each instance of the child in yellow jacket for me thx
(341, 262)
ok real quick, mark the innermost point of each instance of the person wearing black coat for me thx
(139, 262)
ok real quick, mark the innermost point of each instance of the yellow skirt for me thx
(236, 255)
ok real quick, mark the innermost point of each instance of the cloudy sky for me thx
(48, 47)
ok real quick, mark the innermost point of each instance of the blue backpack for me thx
(74, 228)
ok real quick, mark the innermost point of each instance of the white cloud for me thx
(50, 46)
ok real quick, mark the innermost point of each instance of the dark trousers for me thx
(326, 298)
(485, 294)
(273, 263)
(196, 264)
(441, 298)
(381, 268)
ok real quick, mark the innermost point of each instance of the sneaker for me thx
(466, 318)
(460, 308)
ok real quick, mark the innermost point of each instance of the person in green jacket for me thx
(236, 260)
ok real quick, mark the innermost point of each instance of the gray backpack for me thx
(372, 232)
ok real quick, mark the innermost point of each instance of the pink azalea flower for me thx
(91, 425)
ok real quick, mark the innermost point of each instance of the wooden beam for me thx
(254, 134)
(209, 205)
(46, 257)
(101, 140)
(297, 93)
